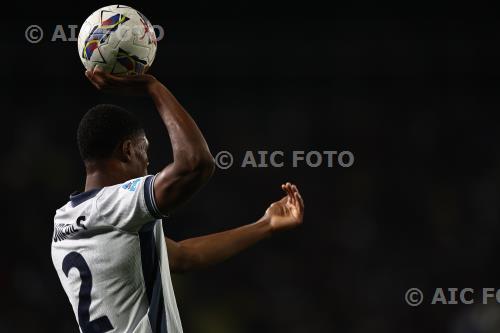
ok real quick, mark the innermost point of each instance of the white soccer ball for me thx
(119, 39)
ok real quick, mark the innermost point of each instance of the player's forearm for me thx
(189, 147)
(200, 252)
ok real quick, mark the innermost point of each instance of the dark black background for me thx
(411, 91)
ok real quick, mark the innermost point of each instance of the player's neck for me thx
(103, 173)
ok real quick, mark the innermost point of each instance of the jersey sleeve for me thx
(130, 205)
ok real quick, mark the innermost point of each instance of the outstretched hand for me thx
(125, 85)
(288, 212)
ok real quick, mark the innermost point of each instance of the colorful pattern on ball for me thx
(118, 39)
(99, 34)
(131, 62)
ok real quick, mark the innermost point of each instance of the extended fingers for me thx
(92, 79)
(94, 75)
(99, 78)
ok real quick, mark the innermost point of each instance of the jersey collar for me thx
(77, 198)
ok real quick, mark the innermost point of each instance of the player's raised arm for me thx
(193, 163)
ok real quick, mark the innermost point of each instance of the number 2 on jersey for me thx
(99, 325)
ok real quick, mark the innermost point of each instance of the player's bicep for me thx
(174, 186)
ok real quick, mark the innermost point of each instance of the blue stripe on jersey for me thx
(77, 198)
(149, 198)
(152, 279)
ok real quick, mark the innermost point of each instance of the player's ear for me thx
(126, 150)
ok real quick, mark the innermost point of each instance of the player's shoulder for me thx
(118, 197)
(126, 188)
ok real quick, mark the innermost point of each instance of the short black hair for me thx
(102, 128)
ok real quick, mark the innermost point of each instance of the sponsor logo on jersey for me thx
(131, 185)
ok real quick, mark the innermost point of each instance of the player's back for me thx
(109, 251)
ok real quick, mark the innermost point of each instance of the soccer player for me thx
(108, 248)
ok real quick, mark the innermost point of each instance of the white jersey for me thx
(110, 254)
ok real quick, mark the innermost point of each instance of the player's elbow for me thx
(205, 166)
(200, 166)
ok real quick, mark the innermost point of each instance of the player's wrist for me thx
(265, 224)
